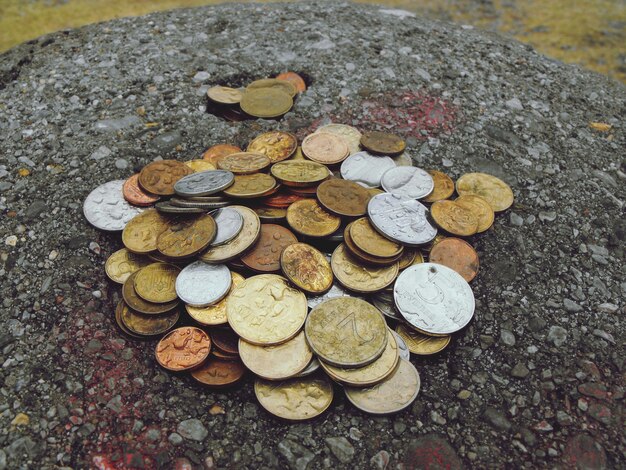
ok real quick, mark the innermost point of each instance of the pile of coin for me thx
(292, 263)
(265, 98)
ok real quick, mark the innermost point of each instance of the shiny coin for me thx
(336, 290)
(366, 238)
(106, 209)
(200, 165)
(403, 349)
(204, 183)
(214, 314)
(183, 348)
(225, 340)
(135, 195)
(443, 187)
(167, 207)
(389, 396)
(307, 268)
(360, 278)
(160, 177)
(325, 148)
(421, 344)
(362, 256)
(458, 255)
(244, 163)
(250, 186)
(213, 154)
(269, 214)
(366, 169)
(224, 95)
(141, 233)
(143, 306)
(434, 298)
(229, 223)
(308, 218)
(350, 135)
(264, 257)
(295, 399)
(123, 263)
(278, 362)
(187, 236)
(401, 220)
(146, 325)
(274, 83)
(157, 282)
(346, 332)
(242, 242)
(453, 218)
(408, 182)
(219, 373)
(343, 197)
(296, 80)
(493, 190)
(266, 102)
(480, 208)
(265, 310)
(299, 173)
(383, 143)
(313, 366)
(277, 145)
(200, 284)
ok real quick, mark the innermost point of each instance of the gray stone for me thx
(175, 439)
(166, 142)
(297, 456)
(341, 448)
(497, 419)
(380, 461)
(119, 124)
(557, 335)
(100, 153)
(121, 164)
(192, 429)
(514, 104)
(572, 306)
(35, 210)
(520, 370)
(507, 337)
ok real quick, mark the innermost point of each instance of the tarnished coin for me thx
(366, 238)
(343, 197)
(120, 323)
(200, 284)
(146, 325)
(244, 163)
(326, 148)
(225, 340)
(366, 169)
(141, 233)
(493, 190)
(143, 306)
(308, 218)
(360, 278)
(183, 348)
(250, 186)
(453, 218)
(307, 268)
(135, 195)
(106, 209)
(409, 257)
(387, 307)
(383, 143)
(269, 214)
(296, 80)
(187, 236)
(336, 290)
(166, 207)
(274, 83)
(214, 314)
(200, 165)
(277, 145)
(443, 187)
(456, 254)
(219, 373)
(295, 399)
(299, 173)
(266, 102)
(421, 344)
(346, 332)
(161, 176)
(278, 362)
(480, 208)
(264, 257)
(265, 310)
(242, 242)
(121, 264)
(224, 94)
(313, 366)
(389, 396)
(434, 298)
(157, 282)
(403, 349)
(401, 220)
(407, 181)
(350, 135)
(204, 183)
(214, 153)
(229, 223)
(363, 257)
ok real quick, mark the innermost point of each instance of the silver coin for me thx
(204, 183)
(365, 168)
(308, 370)
(167, 208)
(400, 220)
(434, 298)
(105, 207)
(403, 349)
(229, 224)
(388, 308)
(200, 284)
(350, 134)
(408, 181)
(205, 206)
(335, 291)
(404, 159)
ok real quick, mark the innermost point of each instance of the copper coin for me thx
(383, 143)
(456, 254)
(282, 200)
(296, 80)
(453, 218)
(218, 373)
(222, 355)
(143, 306)
(364, 256)
(343, 197)
(310, 219)
(311, 191)
(183, 348)
(226, 340)
(135, 195)
(187, 237)
(160, 177)
(326, 148)
(213, 154)
(265, 255)
(277, 145)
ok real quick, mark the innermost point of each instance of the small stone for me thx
(607, 308)
(11, 240)
(543, 426)
(115, 404)
(507, 337)
(355, 434)
(585, 453)
(563, 418)
(380, 461)
(464, 394)
(600, 413)
(167, 141)
(516, 219)
(298, 457)
(557, 335)
(592, 389)
(399, 427)
(94, 248)
(100, 153)
(192, 429)
(121, 164)
(437, 418)
(153, 435)
(341, 448)
(572, 306)
(497, 419)
(431, 451)
(35, 210)
(175, 439)
(549, 216)
(514, 104)
(20, 419)
(182, 463)
(216, 410)
(86, 429)
(520, 371)
(201, 76)
(114, 125)
(54, 254)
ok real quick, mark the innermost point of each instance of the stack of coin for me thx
(307, 266)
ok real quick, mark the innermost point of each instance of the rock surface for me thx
(81, 107)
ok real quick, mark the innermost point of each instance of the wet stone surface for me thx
(534, 381)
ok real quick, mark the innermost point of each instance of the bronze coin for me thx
(281, 200)
(187, 237)
(296, 80)
(443, 189)
(120, 323)
(160, 177)
(364, 256)
(308, 218)
(143, 306)
(222, 355)
(243, 163)
(252, 186)
(277, 145)
(307, 268)
(225, 340)
(213, 154)
(453, 218)
(147, 325)
(183, 348)
(456, 254)
(325, 148)
(343, 197)
(218, 373)
(383, 143)
(135, 195)
(265, 255)
(271, 214)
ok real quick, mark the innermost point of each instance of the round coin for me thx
(219, 373)
(183, 348)
(307, 268)
(225, 340)
(493, 190)
(204, 183)
(121, 264)
(274, 83)
(269, 214)
(308, 218)
(296, 80)
(266, 102)
(362, 256)
(281, 200)
(443, 187)
(359, 278)
(264, 257)
(343, 197)
(146, 325)
(453, 218)
(277, 145)
(456, 254)
(299, 173)
(366, 238)
(403, 159)
(224, 94)
(200, 284)
(166, 207)
(421, 344)
(313, 366)
(213, 315)
(106, 209)
(200, 165)
(366, 169)
(244, 163)
(350, 135)
(187, 236)
(407, 181)
(135, 195)
(140, 305)
(383, 143)
(480, 208)
(161, 176)
(325, 148)
(229, 224)
(409, 257)
(157, 282)
(214, 153)
(247, 237)
(250, 186)
(141, 233)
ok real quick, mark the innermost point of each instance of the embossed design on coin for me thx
(366, 169)
(200, 284)
(480, 208)
(215, 314)
(160, 177)
(200, 165)
(407, 181)
(183, 348)
(325, 148)
(157, 282)
(135, 195)
(244, 163)
(343, 197)
(105, 207)
(265, 255)
(299, 173)
(204, 183)
(123, 263)
(421, 344)
(277, 145)
(307, 268)
(266, 102)
(369, 240)
(218, 373)
(456, 254)
(443, 187)
(493, 190)
(214, 153)
(359, 278)
(146, 325)
(350, 134)
(307, 217)
(143, 306)
(229, 224)
(453, 218)
(187, 237)
(250, 186)
(383, 143)
(224, 94)
(247, 237)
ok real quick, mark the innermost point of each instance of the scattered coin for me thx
(362, 256)
(403, 349)
(359, 278)
(183, 348)
(277, 145)
(264, 257)
(313, 366)
(157, 282)
(407, 181)
(106, 209)
(480, 208)
(326, 148)
(225, 340)
(139, 304)
(369, 240)
(200, 165)
(200, 284)
(343, 197)
(299, 173)
(146, 325)
(229, 223)
(135, 195)
(242, 242)
(141, 233)
(307, 268)
(281, 200)
(266, 102)
(493, 190)
(121, 264)
(215, 314)
(244, 163)
(296, 80)
(224, 94)
(421, 344)
(453, 218)
(251, 186)
(204, 183)
(168, 208)
(308, 218)
(443, 187)
(199, 207)
(409, 257)
(387, 307)
(456, 254)
(383, 143)
(161, 176)
(350, 135)
(214, 153)
(275, 84)
(187, 237)
(366, 169)
(271, 214)
(219, 373)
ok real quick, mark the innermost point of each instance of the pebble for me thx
(380, 461)
(520, 371)
(114, 125)
(516, 220)
(514, 104)
(549, 216)
(121, 164)
(297, 456)
(341, 448)
(571, 306)
(497, 419)
(175, 439)
(201, 76)
(192, 429)
(557, 335)
(11, 240)
(507, 337)
(101, 153)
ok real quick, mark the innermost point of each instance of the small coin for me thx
(273, 83)
(409, 257)
(360, 278)
(281, 200)
(106, 209)
(244, 163)
(204, 183)
(187, 236)
(242, 242)
(157, 282)
(214, 314)
(407, 181)
(146, 325)
(366, 169)
(307, 268)
(421, 344)
(343, 197)
(362, 256)
(160, 177)
(480, 208)
(325, 148)
(299, 173)
(403, 349)
(493, 190)
(222, 355)
(296, 80)
(224, 95)
(183, 348)
(389, 396)
(264, 257)
(141, 233)
(250, 186)
(453, 218)
(214, 153)
(351, 135)
(225, 340)
(456, 254)
(266, 102)
(366, 238)
(383, 143)
(219, 373)
(167, 207)
(229, 224)
(200, 284)
(123, 263)
(135, 195)
(143, 306)
(443, 187)
(308, 218)
(277, 145)
(434, 299)
(271, 214)
(295, 399)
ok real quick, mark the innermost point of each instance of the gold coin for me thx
(443, 189)
(363, 257)
(307, 268)
(271, 214)
(295, 399)
(160, 177)
(343, 197)
(249, 186)
(224, 94)
(370, 374)
(266, 102)
(214, 314)
(350, 134)
(359, 278)
(369, 240)
(146, 325)
(123, 263)
(140, 305)
(298, 155)
(453, 218)
(493, 190)
(346, 332)
(200, 165)
(120, 323)
(299, 173)
(409, 257)
(187, 237)
(243, 163)
(326, 148)
(421, 344)
(278, 362)
(308, 218)
(265, 310)
(273, 83)
(480, 208)
(157, 282)
(141, 232)
(383, 143)
(277, 145)
(247, 237)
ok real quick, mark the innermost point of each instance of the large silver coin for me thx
(105, 207)
(434, 298)
(201, 284)
(400, 220)
(350, 134)
(204, 183)
(229, 224)
(408, 181)
(335, 291)
(365, 168)
(403, 349)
